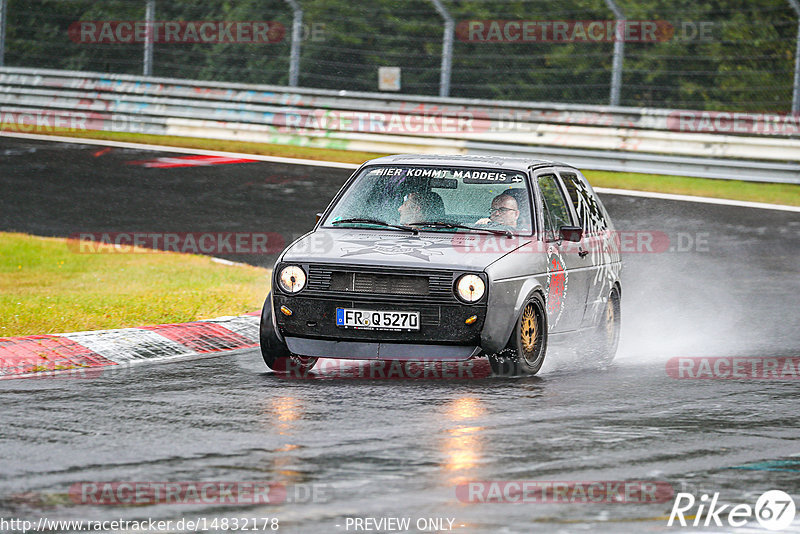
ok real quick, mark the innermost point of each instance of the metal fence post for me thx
(149, 17)
(297, 35)
(796, 90)
(447, 48)
(619, 51)
(3, 15)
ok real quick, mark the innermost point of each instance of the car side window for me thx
(590, 214)
(556, 211)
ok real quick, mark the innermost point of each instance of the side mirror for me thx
(319, 216)
(571, 233)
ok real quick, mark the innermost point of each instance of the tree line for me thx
(716, 55)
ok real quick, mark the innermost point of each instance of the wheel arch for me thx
(501, 322)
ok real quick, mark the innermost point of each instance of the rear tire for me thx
(275, 352)
(525, 352)
(608, 330)
(604, 339)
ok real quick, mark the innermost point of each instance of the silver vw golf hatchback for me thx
(449, 258)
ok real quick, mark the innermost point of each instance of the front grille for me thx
(385, 284)
(319, 279)
(434, 286)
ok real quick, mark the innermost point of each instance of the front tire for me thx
(526, 349)
(275, 352)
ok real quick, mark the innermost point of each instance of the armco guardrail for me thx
(753, 147)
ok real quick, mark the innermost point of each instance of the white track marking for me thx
(338, 165)
(230, 263)
(179, 150)
(130, 344)
(705, 200)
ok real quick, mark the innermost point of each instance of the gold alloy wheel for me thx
(529, 329)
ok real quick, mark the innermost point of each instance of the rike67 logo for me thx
(774, 510)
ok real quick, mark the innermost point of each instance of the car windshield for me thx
(439, 199)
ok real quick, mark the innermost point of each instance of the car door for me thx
(598, 239)
(568, 269)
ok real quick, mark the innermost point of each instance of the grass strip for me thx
(49, 287)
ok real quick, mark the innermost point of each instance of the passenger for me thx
(504, 211)
(425, 206)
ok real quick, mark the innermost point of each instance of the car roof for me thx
(509, 162)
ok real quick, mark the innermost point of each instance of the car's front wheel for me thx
(275, 352)
(526, 349)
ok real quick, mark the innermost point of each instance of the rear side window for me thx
(590, 214)
(556, 211)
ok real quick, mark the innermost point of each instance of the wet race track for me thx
(339, 449)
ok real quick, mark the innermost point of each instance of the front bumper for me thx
(354, 350)
(442, 325)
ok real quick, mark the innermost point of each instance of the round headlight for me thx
(292, 278)
(470, 288)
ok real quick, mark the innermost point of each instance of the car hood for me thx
(428, 250)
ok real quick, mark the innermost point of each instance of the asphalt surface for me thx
(400, 448)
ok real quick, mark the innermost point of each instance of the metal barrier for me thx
(592, 137)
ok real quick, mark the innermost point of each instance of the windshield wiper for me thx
(442, 224)
(415, 231)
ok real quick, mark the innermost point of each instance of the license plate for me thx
(377, 320)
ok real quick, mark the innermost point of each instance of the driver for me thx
(504, 211)
(424, 206)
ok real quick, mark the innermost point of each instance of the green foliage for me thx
(745, 61)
